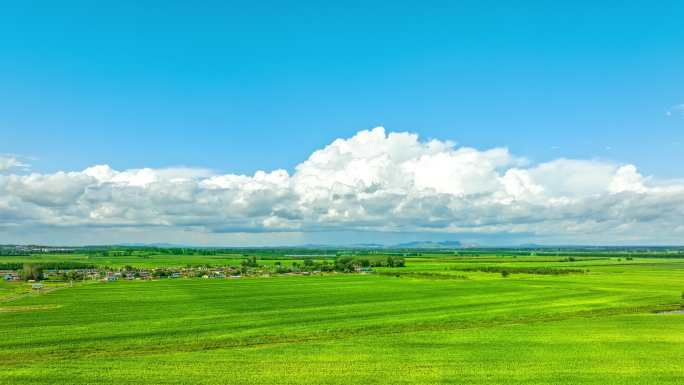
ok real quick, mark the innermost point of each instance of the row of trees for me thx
(36, 272)
(7, 251)
(506, 270)
(345, 264)
(32, 271)
(348, 264)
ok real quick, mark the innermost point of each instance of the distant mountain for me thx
(368, 245)
(428, 245)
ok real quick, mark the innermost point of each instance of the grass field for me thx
(438, 320)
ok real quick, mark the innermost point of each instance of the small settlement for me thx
(249, 267)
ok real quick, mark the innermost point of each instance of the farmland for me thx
(443, 318)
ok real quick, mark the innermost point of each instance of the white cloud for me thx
(8, 162)
(676, 110)
(372, 181)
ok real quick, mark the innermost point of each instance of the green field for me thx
(438, 320)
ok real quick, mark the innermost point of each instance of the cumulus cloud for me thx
(373, 181)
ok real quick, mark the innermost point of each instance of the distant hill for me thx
(428, 245)
(368, 245)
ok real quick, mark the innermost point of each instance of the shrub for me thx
(505, 273)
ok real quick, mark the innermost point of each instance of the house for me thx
(9, 275)
(93, 275)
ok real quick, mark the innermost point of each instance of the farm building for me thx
(9, 275)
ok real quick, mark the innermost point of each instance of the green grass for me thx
(423, 327)
(138, 259)
(149, 259)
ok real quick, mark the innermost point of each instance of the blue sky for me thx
(241, 86)
(237, 87)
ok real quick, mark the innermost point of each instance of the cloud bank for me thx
(373, 181)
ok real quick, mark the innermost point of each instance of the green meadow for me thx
(442, 319)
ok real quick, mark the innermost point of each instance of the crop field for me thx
(441, 319)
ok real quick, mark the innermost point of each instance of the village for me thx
(248, 268)
(141, 274)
